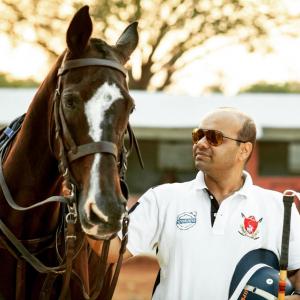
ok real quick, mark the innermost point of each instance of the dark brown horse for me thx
(72, 142)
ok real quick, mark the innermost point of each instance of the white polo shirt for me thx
(197, 260)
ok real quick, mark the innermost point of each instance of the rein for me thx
(69, 198)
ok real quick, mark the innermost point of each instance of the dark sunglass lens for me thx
(219, 138)
(214, 137)
(211, 137)
(197, 135)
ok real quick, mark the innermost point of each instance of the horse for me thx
(69, 150)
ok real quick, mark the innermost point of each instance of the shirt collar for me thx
(199, 183)
(248, 183)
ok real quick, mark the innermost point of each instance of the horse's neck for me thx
(30, 169)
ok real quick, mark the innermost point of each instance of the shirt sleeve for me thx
(294, 246)
(143, 229)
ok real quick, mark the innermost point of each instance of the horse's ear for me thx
(128, 41)
(79, 31)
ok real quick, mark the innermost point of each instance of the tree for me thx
(264, 87)
(6, 81)
(173, 33)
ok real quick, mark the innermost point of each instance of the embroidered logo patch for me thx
(186, 220)
(249, 227)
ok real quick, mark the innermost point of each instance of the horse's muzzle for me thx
(103, 221)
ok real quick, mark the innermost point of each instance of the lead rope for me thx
(120, 259)
(101, 269)
(69, 191)
(70, 240)
(103, 261)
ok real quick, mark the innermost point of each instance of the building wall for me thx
(165, 161)
(271, 173)
(278, 182)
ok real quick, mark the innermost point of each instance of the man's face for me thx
(212, 159)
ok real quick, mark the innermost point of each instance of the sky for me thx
(23, 61)
(233, 67)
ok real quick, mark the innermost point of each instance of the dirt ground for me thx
(136, 279)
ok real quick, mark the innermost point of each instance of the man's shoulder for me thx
(167, 193)
(265, 193)
(173, 187)
(252, 188)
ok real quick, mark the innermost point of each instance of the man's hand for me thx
(294, 277)
(114, 248)
(292, 297)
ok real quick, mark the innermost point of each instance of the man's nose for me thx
(203, 142)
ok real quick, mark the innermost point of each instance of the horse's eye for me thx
(132, 109)
(69, 103)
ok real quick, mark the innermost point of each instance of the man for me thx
(200, 230)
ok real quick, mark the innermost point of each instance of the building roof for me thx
(165, 110)
(162, 110)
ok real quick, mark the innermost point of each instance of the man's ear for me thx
(246, 150)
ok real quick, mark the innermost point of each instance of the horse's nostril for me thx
(96, 214)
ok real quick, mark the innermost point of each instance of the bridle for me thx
(62, 132)
(70, 187)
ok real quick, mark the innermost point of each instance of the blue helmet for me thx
(256, 277)
(263, 284)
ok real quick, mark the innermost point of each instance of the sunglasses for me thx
(213, 137)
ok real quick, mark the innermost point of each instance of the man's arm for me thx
(115, 245)
(295, 280)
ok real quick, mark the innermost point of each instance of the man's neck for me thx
(224, 186)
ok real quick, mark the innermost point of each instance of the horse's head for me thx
(92, 108)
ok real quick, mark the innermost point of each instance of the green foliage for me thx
(6, 81)
(264, 87)
(215, 88)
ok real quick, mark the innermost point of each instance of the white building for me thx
(163, 123)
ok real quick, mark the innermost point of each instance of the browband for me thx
(82, 62)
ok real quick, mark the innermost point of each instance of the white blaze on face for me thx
(94, 109)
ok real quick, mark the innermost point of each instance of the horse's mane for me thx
(49, 83)
(40, 104)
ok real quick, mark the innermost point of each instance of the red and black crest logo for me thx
(249, 227)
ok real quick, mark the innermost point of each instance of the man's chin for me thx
(201, 166)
